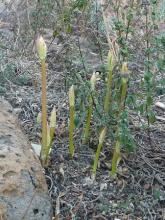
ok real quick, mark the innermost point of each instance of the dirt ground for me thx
(138, 192)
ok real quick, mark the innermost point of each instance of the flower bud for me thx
(53, 118)
(41, 48)
(39, 118)
(110, 61)
(93, 81)
(71, 96)
(124, 68)
(102, 135)
(124, 72)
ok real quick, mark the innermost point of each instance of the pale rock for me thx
(23, 189)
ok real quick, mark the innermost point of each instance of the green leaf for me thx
(56, 33)
(69, 29)
(152, 118)
(76, 121)
(156, 194)
(147, 76)
(141, 108)
(149, 101)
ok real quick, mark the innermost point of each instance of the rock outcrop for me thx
(23, 190)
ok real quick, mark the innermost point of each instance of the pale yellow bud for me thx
(48, 135)
(53, 118)
(93, 81)
(124, 73)
(124, 68)
(39, 118)
(110, 61)
(71, 96)
(102, 135)
(41, 48)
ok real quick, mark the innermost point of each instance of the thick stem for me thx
(116, 158)
(44, 114)
(71, 131)
(99, 147)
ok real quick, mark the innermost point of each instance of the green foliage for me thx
(125, 94)
(11, 73)
(80, 4)
(123, 28)
(125, 136)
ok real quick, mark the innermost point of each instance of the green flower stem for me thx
(116, 158)
(116, 154)
(88, 121)
(71, 131)
(100, 145)
(52, 124)
(52, 134)
(48, 146)
(108, 96)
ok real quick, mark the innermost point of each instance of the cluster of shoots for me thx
(124, 83)
(107, 106)
(48, 130)
(89, 109)
(107, 109)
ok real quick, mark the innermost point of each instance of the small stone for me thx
(147, 186)
(125, 170)
(114, 205)
(160, 105)
(132, 205)
(17, 111)
(88, 181)
(36, 148)
(103, 186)
(119, 183)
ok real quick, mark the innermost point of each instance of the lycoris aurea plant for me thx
(48, 131)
